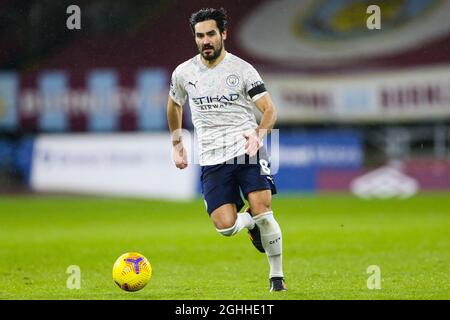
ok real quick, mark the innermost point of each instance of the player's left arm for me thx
(269, 115)
(268, 119)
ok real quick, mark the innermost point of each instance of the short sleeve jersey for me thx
(222, 105)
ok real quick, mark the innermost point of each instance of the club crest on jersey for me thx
(232, 80)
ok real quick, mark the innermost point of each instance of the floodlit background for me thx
(363, 148)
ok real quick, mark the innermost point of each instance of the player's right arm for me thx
(177, 98)
(174, 119)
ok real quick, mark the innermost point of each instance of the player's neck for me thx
(215, 62)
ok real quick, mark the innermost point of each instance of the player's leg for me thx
(254, 176)
(258, 186)
(223, 199)
(228, 222)
(270, 233)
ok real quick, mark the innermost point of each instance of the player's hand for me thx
(179, 156)
(253, 143)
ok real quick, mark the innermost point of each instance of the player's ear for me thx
(224, 34)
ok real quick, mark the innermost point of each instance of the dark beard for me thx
(213, 56)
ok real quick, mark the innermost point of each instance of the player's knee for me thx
(260, 208)
(227, 232)
(224, 219)
(226, 227)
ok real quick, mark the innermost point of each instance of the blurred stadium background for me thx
(351, 99)
(360, 111)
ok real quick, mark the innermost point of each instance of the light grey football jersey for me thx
(222, 104)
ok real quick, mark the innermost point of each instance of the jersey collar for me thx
(203, 67)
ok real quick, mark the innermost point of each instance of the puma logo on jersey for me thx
(194, 84)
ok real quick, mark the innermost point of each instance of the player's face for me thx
(209, 39)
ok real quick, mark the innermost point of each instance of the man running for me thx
(223, 90)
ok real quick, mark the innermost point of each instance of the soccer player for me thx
(223, 90)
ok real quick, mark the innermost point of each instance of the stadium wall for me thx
(128, 165)
(140, 165)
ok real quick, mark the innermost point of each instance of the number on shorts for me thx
(264, 166)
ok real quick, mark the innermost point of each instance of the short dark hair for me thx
(219, 15)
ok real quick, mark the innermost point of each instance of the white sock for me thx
(246, 220)
(243, 220)
(271, 241)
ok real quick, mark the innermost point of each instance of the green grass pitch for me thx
(329, 241)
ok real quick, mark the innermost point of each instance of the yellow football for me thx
(132, 271)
